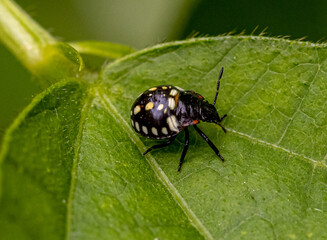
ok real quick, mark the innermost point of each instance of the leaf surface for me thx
(72, 165)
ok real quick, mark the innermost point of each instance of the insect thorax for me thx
(192, 108)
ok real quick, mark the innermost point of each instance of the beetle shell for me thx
(153, 113)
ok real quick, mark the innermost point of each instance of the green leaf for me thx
(73, 167)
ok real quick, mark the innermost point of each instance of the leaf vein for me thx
(253, 86)
(298, 107)
(84, 112)
(220, 60)
(272, 145)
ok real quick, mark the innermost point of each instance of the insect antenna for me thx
(218, 85)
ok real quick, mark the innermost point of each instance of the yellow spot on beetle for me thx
(164, 88)
(153, 89)
(149, 106)
(137, 109)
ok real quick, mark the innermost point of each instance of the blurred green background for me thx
(144, 23)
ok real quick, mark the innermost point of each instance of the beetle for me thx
(162, 112)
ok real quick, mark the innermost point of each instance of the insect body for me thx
(164, 111)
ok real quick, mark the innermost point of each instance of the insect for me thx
(162, 112)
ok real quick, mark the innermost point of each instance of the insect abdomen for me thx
(153, 114)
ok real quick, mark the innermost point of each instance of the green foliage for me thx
(102, 49)
(72, 166)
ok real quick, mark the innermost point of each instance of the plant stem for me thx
(21, 34)
(37, 50)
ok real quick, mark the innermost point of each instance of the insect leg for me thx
(221, 118)
(218, 85)
(213, 147)
(222, 127)
(165, 144)
(185, 149)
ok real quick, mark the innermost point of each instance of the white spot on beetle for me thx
(154, 131)
(160, 107)
(179, 88)
(173, 123)
(137, 126)
(164, 130)
(145, 130)
(173, 92)
(137, 109)
(171, 103)
(132, 122)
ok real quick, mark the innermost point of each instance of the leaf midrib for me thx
(79, 136)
